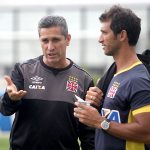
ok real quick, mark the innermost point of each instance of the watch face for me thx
(105, 125)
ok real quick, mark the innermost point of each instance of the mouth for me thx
(51, 54)
(103, 46)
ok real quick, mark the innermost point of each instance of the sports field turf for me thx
(4, 143)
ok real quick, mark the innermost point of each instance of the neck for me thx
(125, 58)
(57, 65)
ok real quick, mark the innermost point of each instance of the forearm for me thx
(130, 131)
(7, 106)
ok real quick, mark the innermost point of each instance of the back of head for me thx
(123, 19)
(145, 58)
(54, 21)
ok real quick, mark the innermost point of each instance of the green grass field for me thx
(4, 143)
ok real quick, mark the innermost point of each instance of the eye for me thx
(44, 40)
(104, 32)
(56, 40)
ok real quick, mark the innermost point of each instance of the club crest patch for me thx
(72, 84)
(113, 89)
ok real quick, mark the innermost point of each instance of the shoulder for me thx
(27, 65)
(140, 72)
(81, 70)
(29, 62)
(140, 78)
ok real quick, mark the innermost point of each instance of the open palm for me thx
(12, 91)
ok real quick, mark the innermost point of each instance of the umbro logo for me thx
(37, 78)
(37, 83)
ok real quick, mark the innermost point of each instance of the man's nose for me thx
(50, 45)
(100, 40)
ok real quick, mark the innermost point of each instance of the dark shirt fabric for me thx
(121, 98)
(44, 118)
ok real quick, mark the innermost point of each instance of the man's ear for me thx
(123, 35)
(68, 39)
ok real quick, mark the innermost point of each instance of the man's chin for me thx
(107, 53)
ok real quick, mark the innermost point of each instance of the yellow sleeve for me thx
(141, 110)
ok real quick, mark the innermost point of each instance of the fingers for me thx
(17, 95)
(8, 80)
(96, 90)
(81, 105)
(94, 96)
(12, 90)
(20, 94)
(88, 115)
(82, 110)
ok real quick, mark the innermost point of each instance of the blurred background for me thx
(19, 36)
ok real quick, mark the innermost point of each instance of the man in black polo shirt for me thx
(41, 92)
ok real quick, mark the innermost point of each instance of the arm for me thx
(96, 94)
(86, 133)
(137, 131)
(11, 100)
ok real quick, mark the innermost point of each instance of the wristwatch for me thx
(105, 124)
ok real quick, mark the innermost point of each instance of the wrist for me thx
(105, 124)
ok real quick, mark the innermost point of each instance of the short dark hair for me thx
(123, 19)
(54, 21)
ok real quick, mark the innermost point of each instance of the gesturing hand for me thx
(12, 90)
